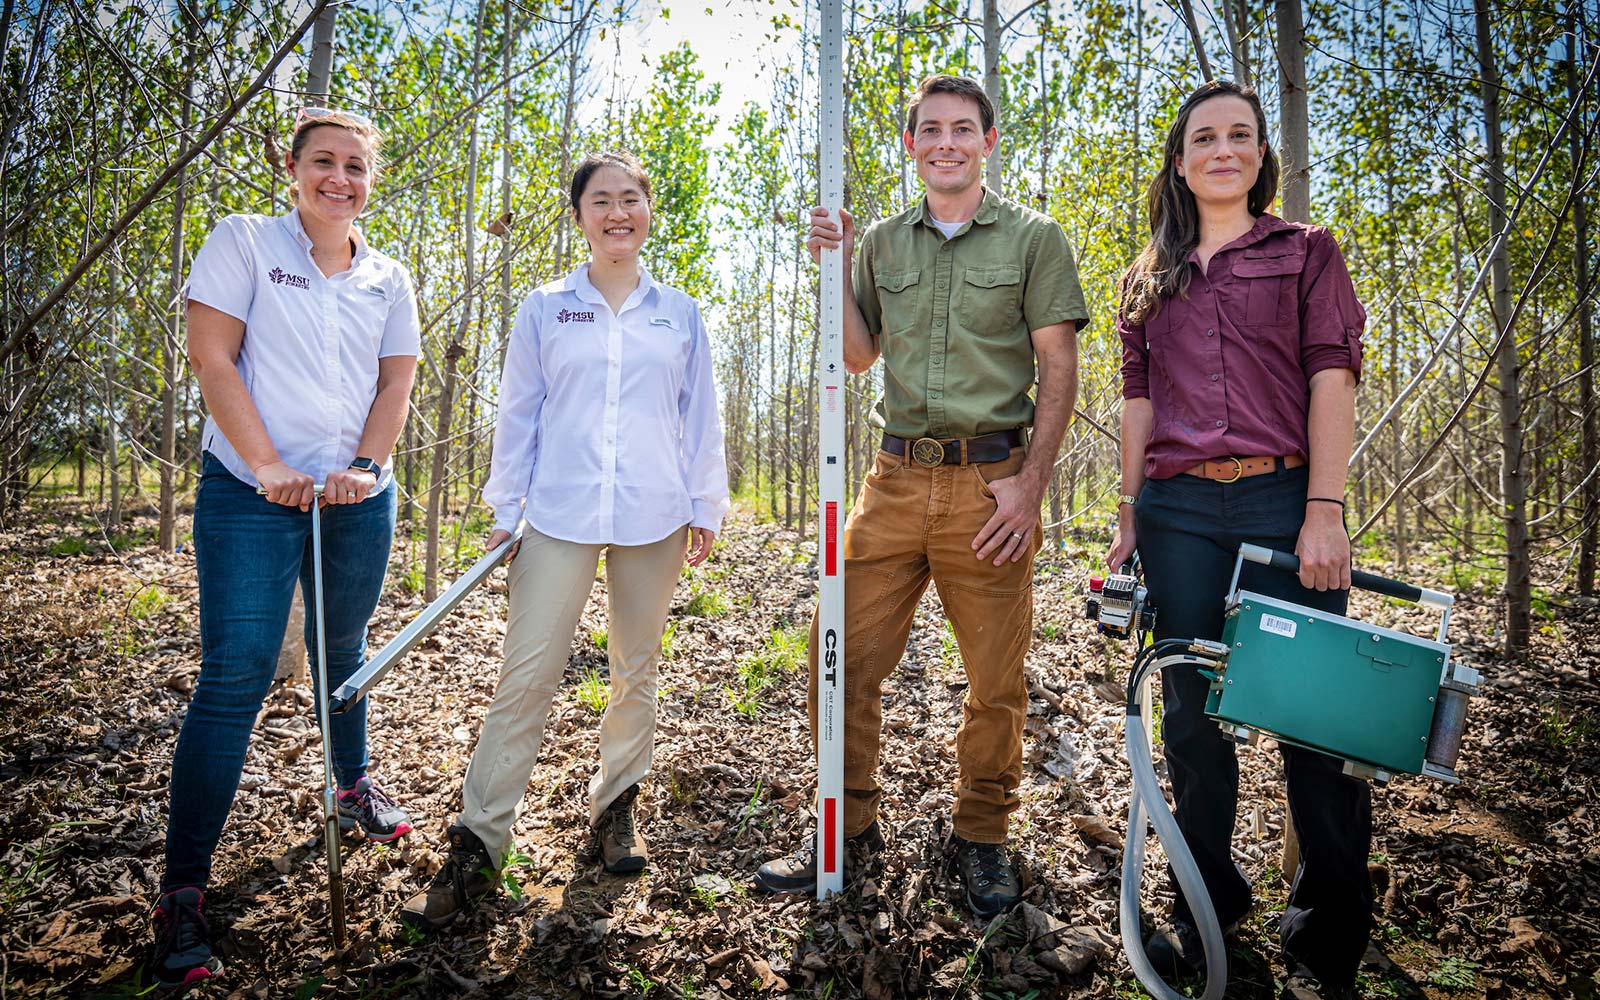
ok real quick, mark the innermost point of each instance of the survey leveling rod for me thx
(830, 476)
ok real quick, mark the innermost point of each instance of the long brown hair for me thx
(1161, 271)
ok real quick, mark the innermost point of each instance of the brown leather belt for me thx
(930, 452)
(1230, 470)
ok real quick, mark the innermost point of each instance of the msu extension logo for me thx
(568, 316)
(279, 276)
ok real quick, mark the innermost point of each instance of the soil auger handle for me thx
(1290, 563)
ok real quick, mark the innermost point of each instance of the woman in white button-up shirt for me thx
(608, 441)
(304, 340)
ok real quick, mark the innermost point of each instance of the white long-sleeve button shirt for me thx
(608, 431)
(309, 357)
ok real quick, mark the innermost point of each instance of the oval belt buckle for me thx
(1237, 475)
(927, 452)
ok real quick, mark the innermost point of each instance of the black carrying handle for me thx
(1290, 563)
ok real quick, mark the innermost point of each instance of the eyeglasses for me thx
(310, 114)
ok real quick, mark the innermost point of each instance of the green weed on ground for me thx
(593, 692)
(784, 652)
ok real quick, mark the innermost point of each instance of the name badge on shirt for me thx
(665, 321)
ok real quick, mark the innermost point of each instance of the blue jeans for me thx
(249, 552)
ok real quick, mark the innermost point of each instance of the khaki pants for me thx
(911, 524)
(550, 581)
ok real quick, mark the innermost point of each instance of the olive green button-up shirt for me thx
(953, 317)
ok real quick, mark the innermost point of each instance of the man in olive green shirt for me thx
(965, 295)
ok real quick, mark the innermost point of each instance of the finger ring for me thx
(1016, 534)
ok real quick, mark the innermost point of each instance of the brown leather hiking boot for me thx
(798, 871)
(467, 876)
(622, 847)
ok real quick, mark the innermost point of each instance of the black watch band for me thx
(366, 465)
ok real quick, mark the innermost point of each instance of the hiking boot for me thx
(1304, 987)
(990, 877)
(182, 955)
(798, 871)
(1175, 949)
(380, 818)
(468, 875)
(622, 847)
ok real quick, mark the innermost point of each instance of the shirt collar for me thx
(297, 232)
(988, 211)
(1266, 225)
(579, 284)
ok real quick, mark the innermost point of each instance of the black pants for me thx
(1189, 530)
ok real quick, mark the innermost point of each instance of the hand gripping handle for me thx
(1290, 563)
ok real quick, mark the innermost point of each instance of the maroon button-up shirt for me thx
(1228, 369)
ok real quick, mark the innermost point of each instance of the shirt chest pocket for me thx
(991, 298)
(897, 299)
(1269, 276)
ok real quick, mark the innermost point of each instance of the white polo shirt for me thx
(311, 343)
(608, 429)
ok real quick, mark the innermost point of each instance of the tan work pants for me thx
(911, 524)
(550, 580)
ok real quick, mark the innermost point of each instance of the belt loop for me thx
(963, 451)
(1280, 469)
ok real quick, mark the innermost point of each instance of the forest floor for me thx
(1487, 888)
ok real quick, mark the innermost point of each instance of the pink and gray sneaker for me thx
(379, 817)
(182, 955)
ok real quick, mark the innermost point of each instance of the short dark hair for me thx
(945, 83)
(624, 161)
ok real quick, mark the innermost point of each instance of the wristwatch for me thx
(1127, 499)
(366, 465)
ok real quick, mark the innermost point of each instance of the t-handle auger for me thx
(330, 790)
(830, 474)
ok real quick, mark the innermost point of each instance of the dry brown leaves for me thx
(1491, 883)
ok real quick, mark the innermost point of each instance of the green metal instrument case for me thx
(1334, 684)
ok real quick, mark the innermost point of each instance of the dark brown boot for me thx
(467, 876)
(622, 846)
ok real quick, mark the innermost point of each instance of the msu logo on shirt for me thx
(568, 316)
(279, 276)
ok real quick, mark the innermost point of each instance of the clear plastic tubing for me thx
(1148, 800)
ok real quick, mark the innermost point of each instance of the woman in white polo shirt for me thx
(608, 441)
(304, 340)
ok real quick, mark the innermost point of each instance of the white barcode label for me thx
(1279, 626)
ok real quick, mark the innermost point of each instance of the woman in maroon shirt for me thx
(1241, 344)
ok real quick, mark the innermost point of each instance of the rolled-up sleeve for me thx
(1332, 318)
(516, 431)
(704, 466)
(1135, 358)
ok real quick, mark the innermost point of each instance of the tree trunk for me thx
(1396, 438)
(1513, 477)
(320, 70)
(1232, 13)
(1296, 208)
(1199, 43)
(991, 85)
(172, 353)
(564, 224)
(293, 666)
(454, 353)
(1589, 447)
(1296, 145)
(112, 445)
